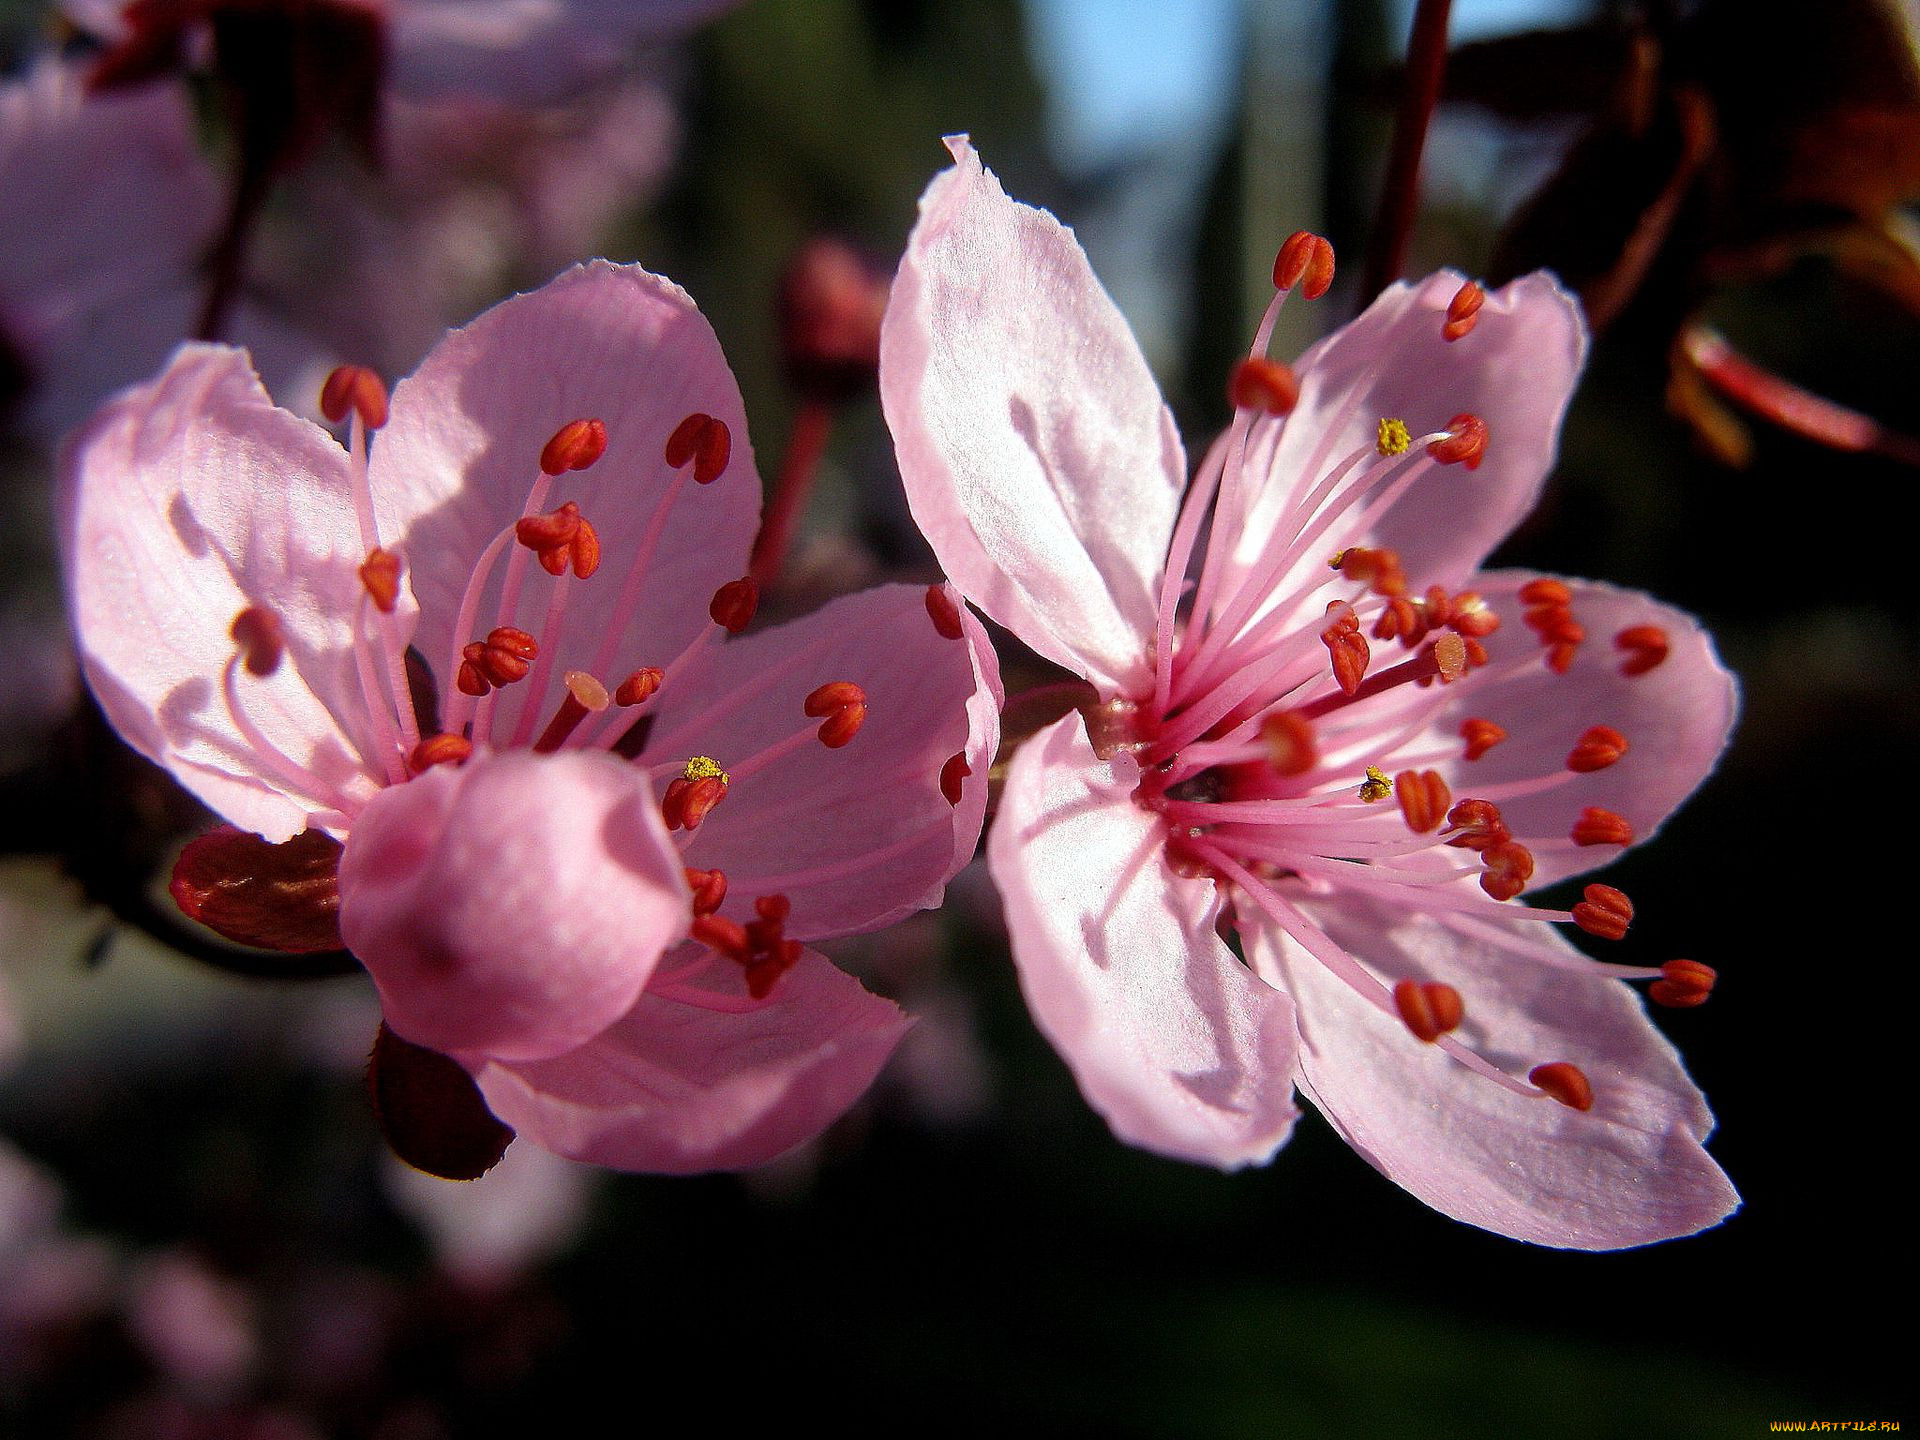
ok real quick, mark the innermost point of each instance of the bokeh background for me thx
(200, 1232)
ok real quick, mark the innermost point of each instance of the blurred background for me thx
(201, 1234)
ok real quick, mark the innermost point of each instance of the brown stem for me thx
(1400, 193)
(798, 467)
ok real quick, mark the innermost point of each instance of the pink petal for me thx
(1037, 455)
(1171, 1038)
(1676, 718)
(513, 906)
(1629, 1172)
(187, 500)
(859, 836)
(462, 449)
(1516, 370)
(678, 1088)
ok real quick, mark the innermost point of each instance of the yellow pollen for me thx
(705, 767)
(1376, 786)
(1394, 437)
(1336, 559)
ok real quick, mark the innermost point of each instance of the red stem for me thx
(798, 467)
(1400, 193)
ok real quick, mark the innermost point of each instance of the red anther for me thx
(1601, 827)
(1683, 984)
(1449, 653)
(1605, 912)
(775, 908)
(1645, 647)
(561, 538)
(831, 696)
(1480, 735)
(1564, 1082)
(1465, 442)
(1463, 311)
(586, 551)
(1429, 1010)
(506, 655)
(1377, 568)
(256, 630)
(574, 446)
(700, 798)
(953, 777)
(1401, 620)
(764, 971)
(1476, 654)
(709, 888)
(380, 573)
(1545, 592)
(1424, 798)
(734, 603)
(684, 443)
(1469, 615)
(1599, 747)
(354, 387)
(1555, 625)
(944, 613)
(1347, 646)
(1288, 738)
(639, 686)
(585, 696)
(1479, 824)
(1509, 867)
(706, 441)
(1265, 385)
(842, 725)
(438, 750)
(1560, 658)
(673, 802)
(727, 937)
(1305, 260)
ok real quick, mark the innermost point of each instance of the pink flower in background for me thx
(1280, 756)
(486, 652)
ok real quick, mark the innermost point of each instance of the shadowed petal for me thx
(1171, 1038)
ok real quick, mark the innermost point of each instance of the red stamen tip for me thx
(639, 686)
(1683, 984)
(1265, 385)
(953, 776)
(706, 441)
(1429, 1010)
(1601, 827)
(1479, 825)
(1598, 748)
(1377, 568)
(1509, 867)
(1465, 443)
(561, 538)
(1463, 311)
(1564, 1082)
(1348, 647)
(831, 696)
(574, 446)
(354, 387)
(380, 573)
(1645, 647)
(1305, 260)
(1288, 737)
(709, 889)
(1423, 798)
(687, 802)
(944, 613)
(842, 725)
(734, 603)
(1545, 592)
(438, 750)
(1605, 912)
(256, 630)
(506, 655)
(1480, 735)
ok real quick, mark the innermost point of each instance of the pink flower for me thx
(1236, 773)
(548, 533)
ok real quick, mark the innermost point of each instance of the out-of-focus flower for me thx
(1254, 763)
(196, 1327)
(832, 296)
(517, 1215)
(354, 644)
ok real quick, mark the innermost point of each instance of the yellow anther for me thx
(704, 767)
(1376, 786)
(1394, 437)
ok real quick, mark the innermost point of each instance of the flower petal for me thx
(1629, 1172)
(1516, 370)
(1676, 718)
(1177, 1043)
(462, 449)
(187, 500)
(677, 1088)
(855, 837)
(1037, 455)
(513, 906)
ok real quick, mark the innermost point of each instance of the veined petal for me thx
(1516, 370)
(1629, 1172)
(1172, 1039)
(186, 500)
(863, 835)
(676, 1087)
(1037, 455)
(513, 906)
(461, 451)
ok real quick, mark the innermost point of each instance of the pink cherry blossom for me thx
(547, 533)
(1276, 752)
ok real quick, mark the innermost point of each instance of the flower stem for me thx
(798, 467)
(1400, 193)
